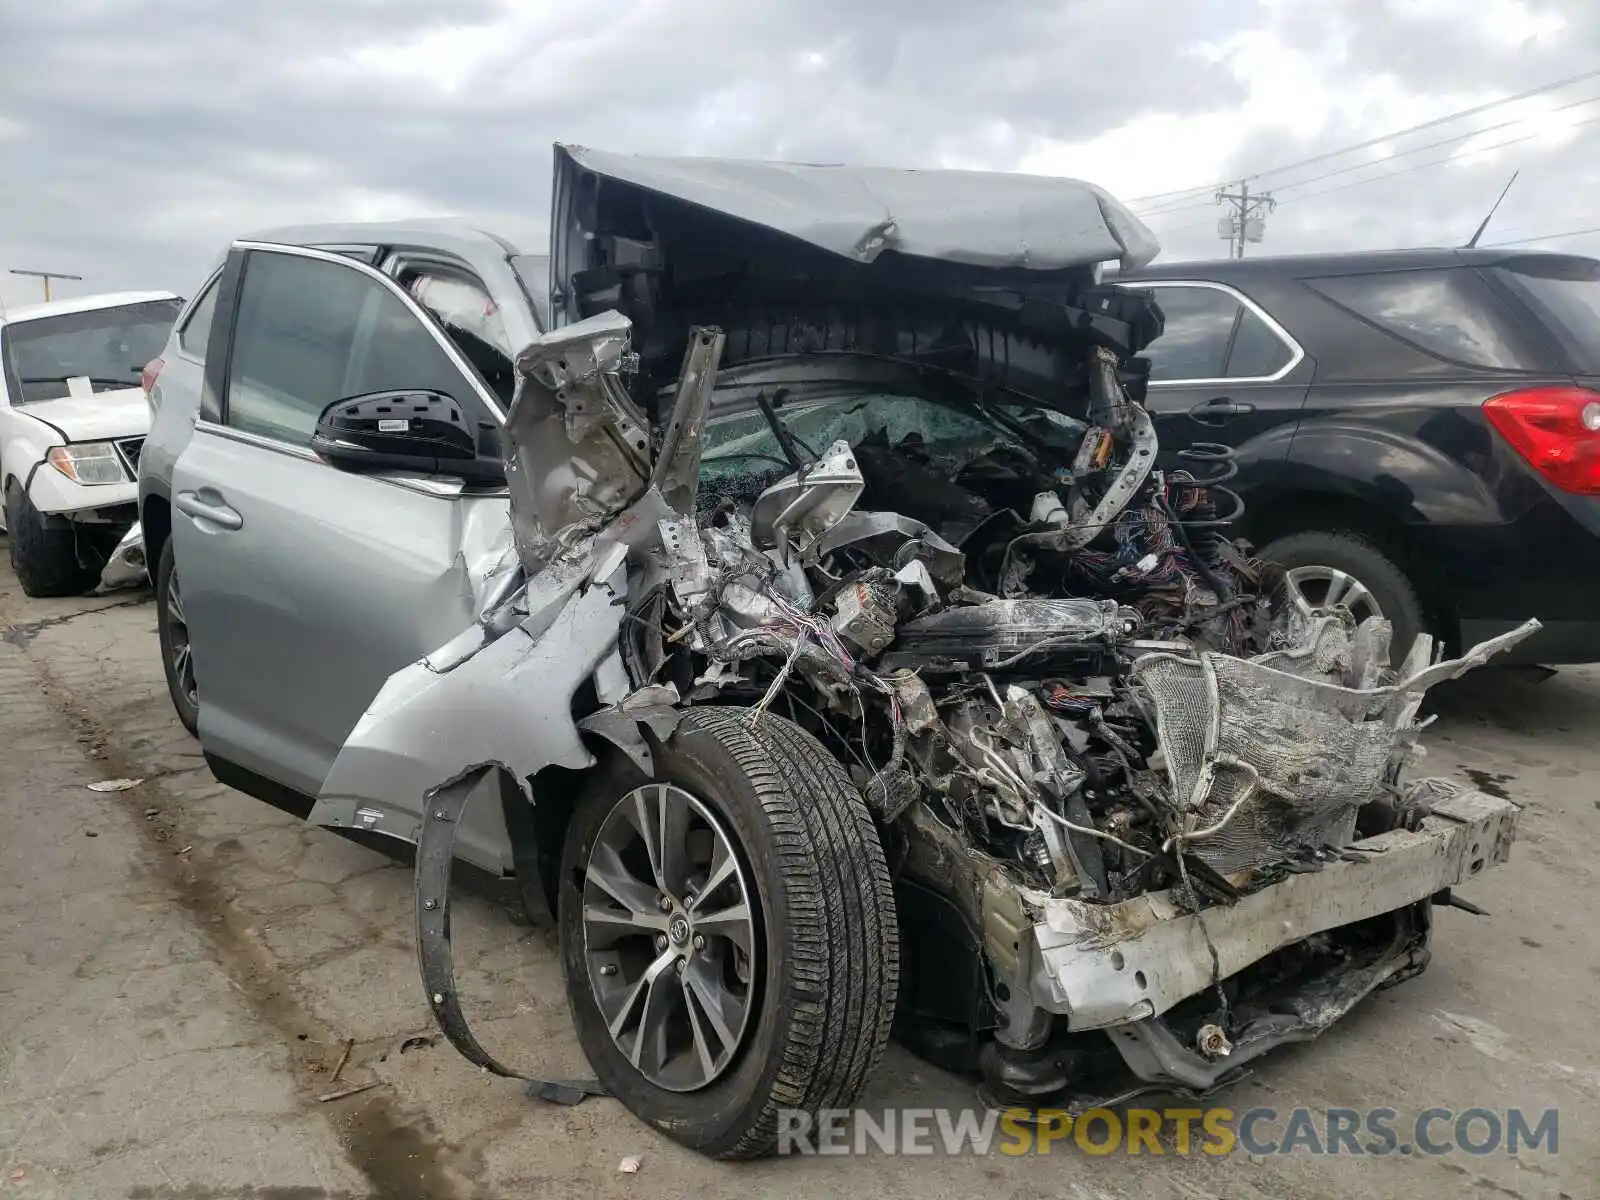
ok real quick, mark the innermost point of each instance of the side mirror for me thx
(422, 431)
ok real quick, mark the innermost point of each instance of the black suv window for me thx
(1210, 334)
(1258, 352)
(310, 332)
(1194, 342)
(1449, 312)
(1567, 290)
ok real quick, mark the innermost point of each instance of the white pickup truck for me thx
(73, 418)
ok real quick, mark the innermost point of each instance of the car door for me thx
(1224, 371)
(306, 586)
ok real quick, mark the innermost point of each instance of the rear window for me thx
(107, 346)
(1566, 294)
(1450, 313)
(196, 331)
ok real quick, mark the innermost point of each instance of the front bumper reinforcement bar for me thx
(1102, 966)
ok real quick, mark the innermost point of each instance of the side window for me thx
(469, 315)
(1449, 313)
(1194, 342)
(196, 331)
(311, 332)
(1258, 352)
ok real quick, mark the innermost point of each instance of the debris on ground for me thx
(356, 1089)
(631, 1164)
(115, 785)
(349, 1046)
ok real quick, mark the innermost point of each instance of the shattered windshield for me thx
(743, 454)
(106, 346)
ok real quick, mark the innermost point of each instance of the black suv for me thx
(1418, 432)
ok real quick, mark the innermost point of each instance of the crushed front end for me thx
(1148, 817)
(1146, 813)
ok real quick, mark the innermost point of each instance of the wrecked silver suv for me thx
(860, 662)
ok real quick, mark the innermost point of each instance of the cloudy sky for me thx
(138, 136)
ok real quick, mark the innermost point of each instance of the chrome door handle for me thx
(208, 505)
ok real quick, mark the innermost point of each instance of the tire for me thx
(1362, 560)
(820, 997)
(173, 634)
(44, 560)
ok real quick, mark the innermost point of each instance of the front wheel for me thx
(46, 559)
(728, 932)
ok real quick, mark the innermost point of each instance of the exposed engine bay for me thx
(1102, 748)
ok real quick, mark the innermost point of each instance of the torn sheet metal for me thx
(578, 448)
(795, 512)
(981, 218)
(509, 705)
(1266, 763)
(677, 470)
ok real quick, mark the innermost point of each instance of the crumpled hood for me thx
(102, 416)
(978, 218)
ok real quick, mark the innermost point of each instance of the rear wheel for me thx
(1346, 568)
(728, 932)
(45, 559)
(172, 630)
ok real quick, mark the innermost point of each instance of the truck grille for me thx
(129, 448)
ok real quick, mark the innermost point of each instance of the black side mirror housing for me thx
(422, 431)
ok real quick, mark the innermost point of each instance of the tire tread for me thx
(844, 936)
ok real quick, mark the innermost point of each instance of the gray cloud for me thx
(138, 138)
(1402, 201)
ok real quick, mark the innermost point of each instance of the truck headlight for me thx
(88, 462)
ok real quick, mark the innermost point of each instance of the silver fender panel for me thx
(509, 705)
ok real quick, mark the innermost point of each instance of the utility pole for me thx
(1247, 222)
(47, 276)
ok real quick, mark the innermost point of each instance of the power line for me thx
(1433, 162)
(1436, 162)
(1324, 157)
(1434, 145)
(1546, 237)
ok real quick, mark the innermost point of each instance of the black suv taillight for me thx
(1556, 429)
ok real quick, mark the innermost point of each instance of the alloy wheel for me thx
(1323, 587)
(670, 937)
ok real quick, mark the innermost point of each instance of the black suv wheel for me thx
(1346, 568)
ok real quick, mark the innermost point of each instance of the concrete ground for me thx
(182, 968)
